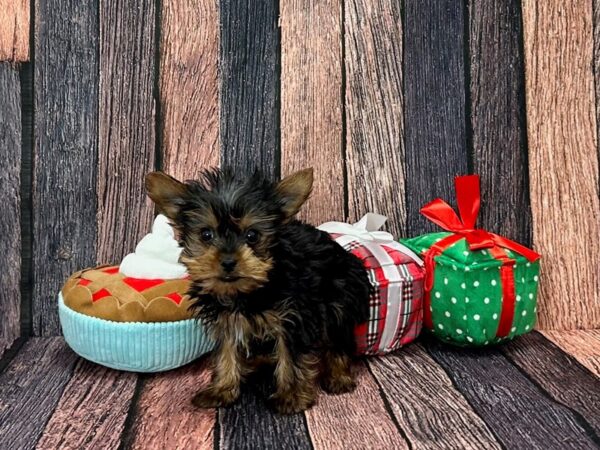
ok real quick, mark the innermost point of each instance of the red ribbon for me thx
(441, 213)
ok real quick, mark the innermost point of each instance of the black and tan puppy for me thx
(268, 287)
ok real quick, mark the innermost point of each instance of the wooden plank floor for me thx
(537, 392)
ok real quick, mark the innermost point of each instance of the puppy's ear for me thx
(169, 194)
(294, 190)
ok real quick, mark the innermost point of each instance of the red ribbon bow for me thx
(441, 213)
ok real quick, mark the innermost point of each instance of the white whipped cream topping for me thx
(156, 255)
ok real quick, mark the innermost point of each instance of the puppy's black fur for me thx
(269, 288)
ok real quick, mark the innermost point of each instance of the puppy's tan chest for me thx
(256, 334)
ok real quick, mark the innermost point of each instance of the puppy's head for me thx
(228, 225)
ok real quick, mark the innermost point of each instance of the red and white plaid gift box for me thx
(397, 275)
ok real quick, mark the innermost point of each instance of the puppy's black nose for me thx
(228, 264)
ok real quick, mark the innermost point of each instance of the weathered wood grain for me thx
(567, 381)
(250, 84)
(250, 424)
(188, 86)
(519, 413)
(30, 388)
(164, 416)
(10, 219)
(354, 421)
(374, 108)
(66, 150)
(311, 104)
(429, 409)
(563, 160)
(583, 345)
(14, 30)
(434, 99)
(92, 409)
(497, 88)
(596, 55)
(126, 144)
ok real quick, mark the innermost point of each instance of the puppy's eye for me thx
(206, 234)
(252, 236)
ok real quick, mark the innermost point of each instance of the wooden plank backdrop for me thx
(388, 100)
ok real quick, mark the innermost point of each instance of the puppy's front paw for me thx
(215, 398)
(338, 385)
(291, 403)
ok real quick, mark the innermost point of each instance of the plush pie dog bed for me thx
(134, 316)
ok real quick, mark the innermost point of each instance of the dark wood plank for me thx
(250, 424)
(583, 345)
(357, 420)
(434, 93)
(30, 388)
(567, 381)
(164, 416)
(66, 150)
(520, 414)
(126, 145)
(311, 112)
(14, 30)
(563, 160)
(431, 412)
(10, 219)
(188, 86)
(92, 409)
(374, 108)
(249, 78)
(497, 87)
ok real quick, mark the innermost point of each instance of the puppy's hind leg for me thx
(336, 376)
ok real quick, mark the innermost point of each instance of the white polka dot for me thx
(469, 338)
(475, 263)
(476, 317)
(431, 308)
(524, 313)
(476, 283)
(522, 279)
(467, 269)
(466, 299)
(440, 326)
(458, 331)
(484, 332)
(438, 295)
(486, 300)
(526, 327)
(465, 317)
(485, 269)
(423, 250)
(453, 299)
(463, 285)
(445, 280)
(466, 253)
(530, 296)
(447, 313)
(454, 267)
(486, 342)
(513, 329)
(438, 239)
(484, 252)
(495, 316)
(528, 264)
(494, 282)
(536, 278)
(518, 298)
(535, 309)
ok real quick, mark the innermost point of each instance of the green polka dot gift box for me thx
(480, 288)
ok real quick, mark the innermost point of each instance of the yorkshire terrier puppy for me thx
(269, 288)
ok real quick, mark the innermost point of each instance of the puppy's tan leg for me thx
(295, 380)
(224, 388)
(337, 376)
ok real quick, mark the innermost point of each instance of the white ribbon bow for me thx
(367, 229)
